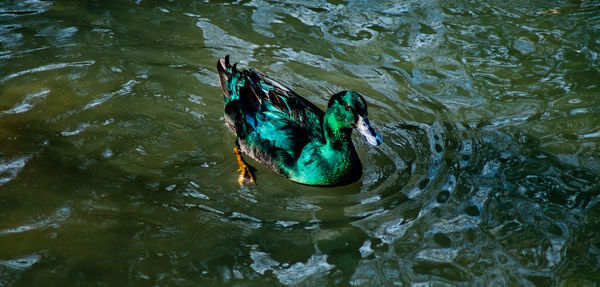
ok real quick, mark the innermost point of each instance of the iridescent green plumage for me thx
(287, 133)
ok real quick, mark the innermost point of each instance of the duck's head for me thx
(349, 109)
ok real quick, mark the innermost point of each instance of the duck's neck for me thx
(337, 138)
(342, 160)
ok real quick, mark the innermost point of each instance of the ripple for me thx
(54, 220)
(10, 40)
(58, 35)
(524, 45)
(125, 89)
(595, 134)
(366, 250)
(456, 224)
(21, 263)
(49, 67)
(29, 102)
(315, 266)
(445, 255)
(424, 40)
(25, 8)
(82, 127)
(9, 169)
(262, 262)
(287, 274)
(219, 39)
(302, 205)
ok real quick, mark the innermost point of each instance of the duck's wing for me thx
(264, 92)
(281, 117)
(280, 99)
(266, 113)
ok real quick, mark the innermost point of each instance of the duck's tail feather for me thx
(225, 71)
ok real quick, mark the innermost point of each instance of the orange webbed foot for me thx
(246, 174)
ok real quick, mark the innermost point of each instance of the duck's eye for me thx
(348, 108)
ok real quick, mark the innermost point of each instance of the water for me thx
(116, 167)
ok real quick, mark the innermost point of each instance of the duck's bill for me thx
(364, 127)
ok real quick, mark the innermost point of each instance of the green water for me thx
(116, 168)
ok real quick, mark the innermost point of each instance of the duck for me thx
(288, 134)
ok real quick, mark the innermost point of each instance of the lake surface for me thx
(116, 168)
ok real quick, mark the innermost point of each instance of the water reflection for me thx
(115, 165)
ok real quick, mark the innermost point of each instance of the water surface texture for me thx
(116, 168)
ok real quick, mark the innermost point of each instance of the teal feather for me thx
(290, 135)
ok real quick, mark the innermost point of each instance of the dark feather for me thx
(224, 76)
(297, 108)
